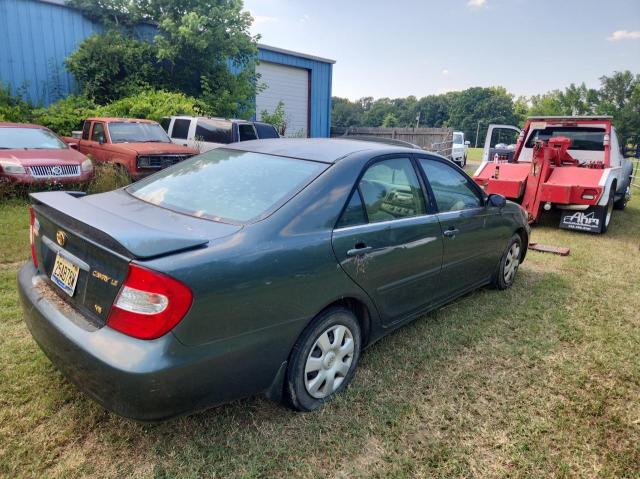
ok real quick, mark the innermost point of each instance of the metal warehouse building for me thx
(37, 35)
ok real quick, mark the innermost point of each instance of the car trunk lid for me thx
(95, 238)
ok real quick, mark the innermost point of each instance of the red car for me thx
(34, 154)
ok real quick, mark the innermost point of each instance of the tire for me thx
(605, 213)
(464, 161)
(507, 268)
(621, 204)
(316, 373)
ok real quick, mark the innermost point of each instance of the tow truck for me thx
(571, 163)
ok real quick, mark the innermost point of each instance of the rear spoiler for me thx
(140, 241)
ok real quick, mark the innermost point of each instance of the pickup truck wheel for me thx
(605, 213)
(505, 274)
(622, 202)
(464, 161)
(324, 359)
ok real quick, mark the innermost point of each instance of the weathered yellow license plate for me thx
(65, 274)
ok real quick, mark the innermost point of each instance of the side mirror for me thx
(73, 146)
(467, 142)
(496, 200)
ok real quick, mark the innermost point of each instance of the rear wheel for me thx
(605, 213)
(622, 202)
(505, 274)
(324, 359)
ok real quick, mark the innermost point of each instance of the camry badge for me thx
(61, 237)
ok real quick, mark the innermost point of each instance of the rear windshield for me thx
(585, 139)
(29, 138)
(132, 132)
(235, 186)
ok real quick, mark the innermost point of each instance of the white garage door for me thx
(291, 85)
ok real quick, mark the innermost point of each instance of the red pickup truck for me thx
(141, 147)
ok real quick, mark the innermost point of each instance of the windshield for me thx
(457, 138)
(220, 184)
(585, 139)
(29, 138)
(132, 132)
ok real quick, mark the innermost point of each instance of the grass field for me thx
(474, 155)
(541, 380)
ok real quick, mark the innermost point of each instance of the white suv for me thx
(205, 133)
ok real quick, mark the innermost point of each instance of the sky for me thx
(400, 48)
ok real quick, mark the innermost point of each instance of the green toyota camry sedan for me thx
(262, 267)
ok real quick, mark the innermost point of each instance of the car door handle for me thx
(451, 232)
(359, 250)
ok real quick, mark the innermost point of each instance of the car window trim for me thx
(479, 191)
(356, 187)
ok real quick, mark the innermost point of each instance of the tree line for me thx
(473, 109)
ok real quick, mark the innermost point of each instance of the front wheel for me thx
(624, 199)
(324, 359)
(505, 274)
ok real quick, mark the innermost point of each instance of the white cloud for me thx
(262, 19)
(624, 35)
(477, 3)
(445, 72)
(304, 18)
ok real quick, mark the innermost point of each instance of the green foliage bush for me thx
(111, 65)
(65, 115)
(152, 105)
(12, 107)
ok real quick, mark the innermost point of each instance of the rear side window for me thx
(180, 128)
(227, 185)
(98, 133)
(584, 139)
(391, 190)
(85, 130)
(246, 132)
(213, 131)
(266, 131)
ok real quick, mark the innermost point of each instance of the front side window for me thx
(98, 133)
(227, 185)
(137, 132)
(213, 131)
(246, 132)
(29, 138)
(391, 190)
(451, 188)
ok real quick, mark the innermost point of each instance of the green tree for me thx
(483, 106)
(111, 65)
(346, 113)
(389, 121)
(203, 49)
(619, 96)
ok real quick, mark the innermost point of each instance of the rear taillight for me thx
(33, 232)
(149, 305)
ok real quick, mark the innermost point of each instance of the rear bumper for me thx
(143, 380)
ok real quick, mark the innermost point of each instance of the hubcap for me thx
(329, 361)
(512, 262)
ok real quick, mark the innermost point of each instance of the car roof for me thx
(327, 150)
(111, 119)
(569, 117)
(8, 124)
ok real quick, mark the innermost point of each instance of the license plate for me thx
(65, 274)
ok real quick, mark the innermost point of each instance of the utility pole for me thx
(418, 120)
(477, 133)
